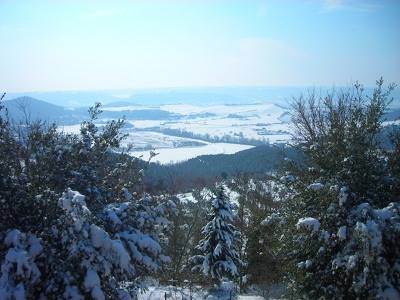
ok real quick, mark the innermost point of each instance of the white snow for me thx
(173, 293)
(186, 198)
(143, 140)
(92, 284)
(113, 248)
(370, 231)
(288, 178)
(259, 122)
(75, 129)
(308, 223)
(173, 155)
(182, 293)
(91, 279)
(308, 263)
(342, 233)
(274, 217)
(98, 236)
(316, 186)
(343, 194)
(19, 262)
(389, 123)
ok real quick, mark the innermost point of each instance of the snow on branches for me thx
(218, 249)
(102, 256)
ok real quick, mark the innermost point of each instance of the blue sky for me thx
(92, 45)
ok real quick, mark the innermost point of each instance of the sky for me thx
(99, 45)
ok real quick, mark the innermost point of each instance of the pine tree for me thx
(218, 256)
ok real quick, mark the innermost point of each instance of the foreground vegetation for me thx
(78, 221)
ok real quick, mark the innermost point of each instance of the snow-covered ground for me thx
(173, 155)
(186, 198)
(171, 293)
(75, 129)
(257, 122)
(177, 293)
(208, 194)
(389, 123)
(144, 140)
(260, 121)
(170, 149)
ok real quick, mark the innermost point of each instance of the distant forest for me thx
(206, 169)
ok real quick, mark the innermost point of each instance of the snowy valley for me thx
(201, 201)
(200, 150)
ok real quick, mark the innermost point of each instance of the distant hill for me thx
(23, 108)
(221, 95)
(141, 114)
(27, 108)
(159, 96)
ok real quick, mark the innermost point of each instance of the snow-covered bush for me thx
(218, 250)
(59, 244)
(102, 256)
(359, 260)
(19, 271)
(338, 225)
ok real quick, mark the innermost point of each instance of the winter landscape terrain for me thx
(177, 132)
(187, 150)
(200, 150)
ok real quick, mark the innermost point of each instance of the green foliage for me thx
(346, 170)
(183, 236)
(38, 162)
(255, 201)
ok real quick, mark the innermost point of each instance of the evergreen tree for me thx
(219, 256)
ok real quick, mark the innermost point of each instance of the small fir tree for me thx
(219, 256)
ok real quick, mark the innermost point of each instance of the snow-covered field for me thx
(260, 121)
(265, 122)
(145, 140)
(173, 155)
